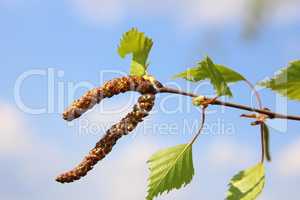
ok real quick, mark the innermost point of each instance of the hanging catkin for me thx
(105, 145)
(110, 88)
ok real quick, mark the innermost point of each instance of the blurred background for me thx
(51, 52)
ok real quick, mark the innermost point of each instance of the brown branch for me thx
(269, 113)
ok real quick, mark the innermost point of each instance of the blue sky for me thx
(76, 40)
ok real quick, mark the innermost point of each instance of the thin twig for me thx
(270, 114)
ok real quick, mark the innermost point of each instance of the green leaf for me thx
(229, 75)
(170, 168)
(136, 43)
(215, 77)
(266, 141)
(137, 69)
(218, 75)
(247, 184)
(287, 82)
(194, 74)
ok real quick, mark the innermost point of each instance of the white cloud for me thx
(225, 153)
(211, 12)
(25, 160)
(190, 13)
(127, 171)
(14, 135)
(285, 10)
(288, 162)
(99, 11)
(17, 139)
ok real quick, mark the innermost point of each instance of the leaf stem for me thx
(262, 129)
(263, 143)
(201, 127)
(255, 93)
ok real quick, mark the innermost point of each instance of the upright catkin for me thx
(105, 145)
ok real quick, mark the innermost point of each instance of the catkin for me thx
(126, 125)
(109, 89)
